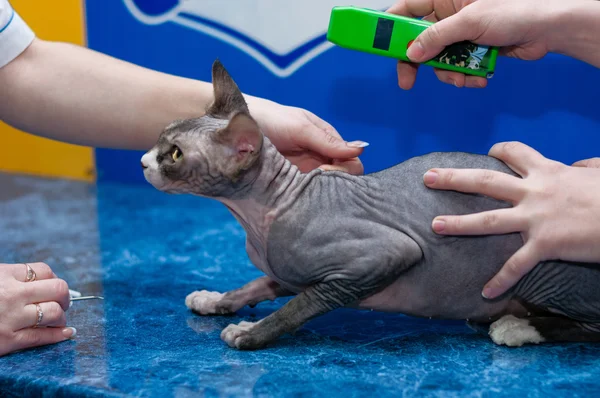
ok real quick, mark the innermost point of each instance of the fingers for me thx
(46, 291)
(491, 183)
(460, 80)
(592, 163)
(29, 338)
(513, 270)
(435, 38)
(476, 82)
(42, 271)
(407, 74)
(422, 8)
(454, 78)
(351, 166)
(53, 315)
(518, 156)
(495, 222)
(414, 8)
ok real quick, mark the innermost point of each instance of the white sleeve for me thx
(15, 35)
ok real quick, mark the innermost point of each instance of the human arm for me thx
(525, 29)
(556, 208)
(73, 94)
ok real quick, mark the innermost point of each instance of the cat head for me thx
(208, 155)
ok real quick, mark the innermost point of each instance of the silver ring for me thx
(30, 273)
(40, 315)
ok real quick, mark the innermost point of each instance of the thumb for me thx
(441, 34)
(593, 163)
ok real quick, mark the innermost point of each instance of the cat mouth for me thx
(155, 180)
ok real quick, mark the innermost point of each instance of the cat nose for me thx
(145, 161)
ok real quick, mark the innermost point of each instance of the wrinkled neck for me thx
(268, 187)
(267, 181)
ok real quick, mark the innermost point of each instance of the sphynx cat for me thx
(332, 239)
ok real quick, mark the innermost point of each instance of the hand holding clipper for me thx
(390, 35)
(524, 29)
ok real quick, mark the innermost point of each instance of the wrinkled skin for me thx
(332, 239)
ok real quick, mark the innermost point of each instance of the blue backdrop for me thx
(547, 104)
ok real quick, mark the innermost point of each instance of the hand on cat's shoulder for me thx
(305, 139)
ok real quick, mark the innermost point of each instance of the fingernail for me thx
(357, 144)
(487, 292)
(439, 225)
(430, 177)
(69, 332)
(415, 52)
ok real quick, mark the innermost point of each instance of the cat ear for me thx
(228, 97)
(243, 139)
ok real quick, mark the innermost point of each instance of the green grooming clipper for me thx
(381, 33)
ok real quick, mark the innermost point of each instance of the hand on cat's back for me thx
(556, 208)
(306, 140)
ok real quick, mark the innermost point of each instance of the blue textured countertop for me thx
(144, 251)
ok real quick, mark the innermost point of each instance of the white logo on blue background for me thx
(282, 35)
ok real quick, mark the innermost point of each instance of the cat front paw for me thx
(208, 303)
(242, 336)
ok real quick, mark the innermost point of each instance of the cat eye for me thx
(176, 154)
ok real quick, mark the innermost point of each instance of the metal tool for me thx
(87, 298)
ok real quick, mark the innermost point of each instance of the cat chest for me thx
(258, 257)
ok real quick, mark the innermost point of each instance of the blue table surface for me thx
(144, 251)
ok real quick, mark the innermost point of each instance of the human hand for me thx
(304, 139)
(521, 28)
(18, 311)
(556, 208)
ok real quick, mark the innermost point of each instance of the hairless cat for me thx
(332, 240)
